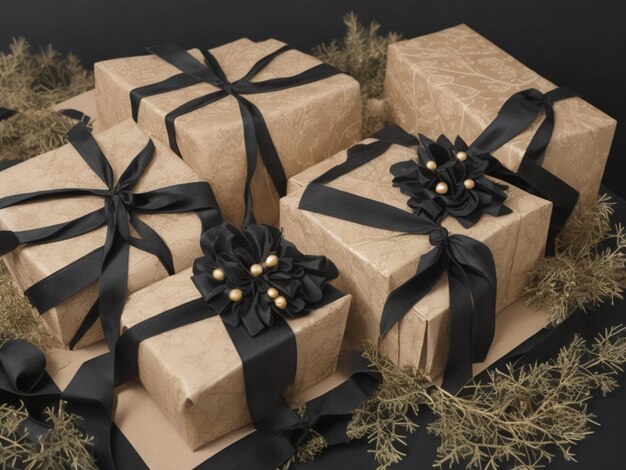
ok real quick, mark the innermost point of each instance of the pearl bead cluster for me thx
(236, 295)
(442, 188)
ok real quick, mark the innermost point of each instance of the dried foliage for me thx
(589, 266)
(31, 84)
(63, 446)
(526, 416)
(18, 320)
(362, 53)
(386, 418)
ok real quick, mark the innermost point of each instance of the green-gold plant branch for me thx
(32, 84)
(362, 53)
(63, 446)
(589, 266)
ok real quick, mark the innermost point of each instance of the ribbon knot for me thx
(439, 237)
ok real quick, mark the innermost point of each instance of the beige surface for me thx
(205, 406)
(372, 262)
(307, 123)
(157, 440)
(453, 82)
(64, 168)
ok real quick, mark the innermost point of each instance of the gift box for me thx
(372, 262)
(64, 168)
(194, 373)
(454, 82)
(307, 123)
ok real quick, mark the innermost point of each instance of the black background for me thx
(576, 43)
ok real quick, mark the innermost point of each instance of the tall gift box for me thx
(195, 373)
(372, 262)
(62, 169)
(454, 81)
(306, 122)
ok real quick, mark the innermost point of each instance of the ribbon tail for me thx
(250, 141)
(430, 268)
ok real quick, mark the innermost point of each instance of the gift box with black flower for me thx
(218, 108)
(454, 82)
(104, 215)
(464, 228)
(267, 324)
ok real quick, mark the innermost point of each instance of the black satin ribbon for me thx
(6, 113)
(328, 415)
(108, 264)
(256, 134)
(516, 115)
(467, 262)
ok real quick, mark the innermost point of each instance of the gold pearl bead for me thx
(461, 155)
(219, 274)
(235, 295)
(272, 293)
(469, 184)
(441, 188)
(256, 270)
(431, 165)
(280, 302)
(271, 261)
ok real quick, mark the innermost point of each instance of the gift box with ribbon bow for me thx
(260, 324)
(454, 81)
(380, 235)
(104, 215)
(218, 109)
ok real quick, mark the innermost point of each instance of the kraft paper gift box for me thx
(372, 262)
(194, 373)
(453, 82)
(64, 168)
(307, 123)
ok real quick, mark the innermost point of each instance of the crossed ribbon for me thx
(256, 133)
(109, 263)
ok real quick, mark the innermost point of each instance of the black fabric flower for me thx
(447, 181)
(250, 275)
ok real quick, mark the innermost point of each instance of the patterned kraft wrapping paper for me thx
(64, 168)
(307, 123)
(194, 373)
(453, 82)
(372, 262)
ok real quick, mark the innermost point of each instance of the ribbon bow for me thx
(256, 133)
(467, 262)
(108, 264)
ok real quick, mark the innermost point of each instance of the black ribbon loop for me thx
(256, 134)
(516, 115)
(467, 262)
(108, 264)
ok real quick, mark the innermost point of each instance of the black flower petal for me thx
(419, 182)
(299, 278)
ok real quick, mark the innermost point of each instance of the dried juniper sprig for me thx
(362, 53)
(32, 84)
(589, 266)
(18, 319)
(525, 416)
(386, 418)
(63, 446)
